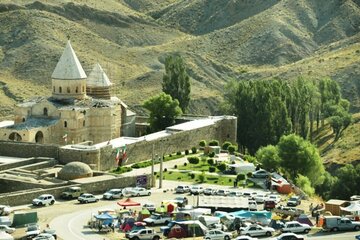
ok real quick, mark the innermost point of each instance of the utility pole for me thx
(162, 160)
(152, 166)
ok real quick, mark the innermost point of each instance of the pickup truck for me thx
(155, 219)
(143, 234)
(336, 223)
(72, 193)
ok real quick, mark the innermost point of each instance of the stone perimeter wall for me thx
(104, 159)
(21, 198)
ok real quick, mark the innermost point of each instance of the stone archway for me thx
(14, 136)
(39, 137)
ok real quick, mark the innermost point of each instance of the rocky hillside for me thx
(220, 39)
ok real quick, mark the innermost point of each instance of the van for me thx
(5, 221)
(336, 223)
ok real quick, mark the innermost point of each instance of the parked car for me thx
(217, 235)
(5, 220)
(222, 192)
(288, 236)
(156, 219)
(336, 223)
(44, 236)
(42, 200)
(5, 210)
(139, 191)
(143, 234)
(260, 174)
(150, 206)
(180, 201)
(87, 198)
(112, 194)
(245, 238)
(209, 191)
(235, 194)
(32, 231)
(261, 197)
(249, 195)
(269, 204)
(72, 193)
(296, 227)
(7, 229)
(257, 230)
(294, 201)
(196, 190)
(182, 189)
(252, 205)
(274, 197)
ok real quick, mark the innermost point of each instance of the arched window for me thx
(60, 89)
(45, 111)
(68, 89)
(54, 88)
(23, 119)
(39, 137)
(65, 123)
(84, 123)
(77, 89)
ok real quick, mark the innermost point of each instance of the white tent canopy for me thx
(353, 207)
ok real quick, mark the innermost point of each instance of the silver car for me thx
(112, 194)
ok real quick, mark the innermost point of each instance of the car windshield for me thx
(113, 191)
(293, 199)
(155, 216)
(41, 197)
(179, 198)
(32, 228)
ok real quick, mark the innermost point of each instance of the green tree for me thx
(299, 156)
(163, 111)
(176, 81)
(305, 184)
(268, 157)
(347, 184)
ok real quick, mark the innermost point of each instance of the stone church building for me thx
(81, 108)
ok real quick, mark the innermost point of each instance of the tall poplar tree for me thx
(176, 81)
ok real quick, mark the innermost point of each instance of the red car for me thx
(269, 204)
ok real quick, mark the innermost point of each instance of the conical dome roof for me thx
(69, 66)
(98, 78)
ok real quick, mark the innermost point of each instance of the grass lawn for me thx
(196, 167)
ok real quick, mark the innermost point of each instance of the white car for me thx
(249, 195)
(196, 190)
(296, 227)
(7, 229)
(44, 236)
(156, 218)
(217, 235)
(252, 205)
(112, 194)
(209, 191)
(257, 230)
(42, 200)
(182, 189)
(32, 230)
(5, 210)
(274, 197)
(87, 197)
(260, 174)
(245, 238)
(287, 236)
(222, 192)
(139, 191)
(150, 206)
(261, 197)
(235, 194)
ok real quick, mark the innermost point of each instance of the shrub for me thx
(136, 165)
(214, 143)
(175, 166)
(179, 178)
(170, 155)
(231, 149)
(193, 160)
(249, 174)
(250, 159)
(193, 150)
(240, 177)
(178, 153)
(185, 164)
(221, 167)
(230, 179)
(226, 145)
(212, 154)
(202, 143)
(212, 169)
(202, 177)
(165, 169)
(192, 175)
(211, 161)
(186, 152)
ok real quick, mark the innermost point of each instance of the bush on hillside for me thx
(226, 145)
(202, 143)
(212, 169)
(186, 152)
(231, 149)
(214, 143)
(212, 154)
(240, 177)
(221, 167)
(193, 150)
(193, 160)
(211, 161)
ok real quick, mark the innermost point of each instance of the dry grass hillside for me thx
(220, 39)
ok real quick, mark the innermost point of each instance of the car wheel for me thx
(248, 234)
(268, 234)
(156, 238)
(357, 228)
(335, 229)
(40, 204)
(136, 238)
(152, 224)
(149, 193)
(96, 200)
(307, 231)
(111, 197)
(138, 195)
(86, 201)
(226, 238)
(52, 202)
(166, 222)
